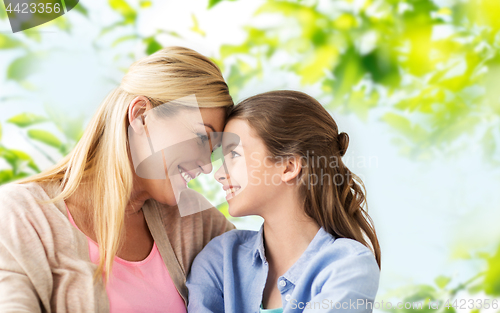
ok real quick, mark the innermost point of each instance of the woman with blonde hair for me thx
(89, 234)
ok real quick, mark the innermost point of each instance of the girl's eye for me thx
(234, 154)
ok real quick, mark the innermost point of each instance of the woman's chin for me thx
(168, 200)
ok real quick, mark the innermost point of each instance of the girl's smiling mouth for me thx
(230, 190)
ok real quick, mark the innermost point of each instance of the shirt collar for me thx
(322, 237)
(319, 241)
(258, 247)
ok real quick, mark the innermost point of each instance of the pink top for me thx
(144, 286)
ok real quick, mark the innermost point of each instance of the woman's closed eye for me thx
(204, 138)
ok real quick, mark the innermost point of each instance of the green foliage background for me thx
(428, 69)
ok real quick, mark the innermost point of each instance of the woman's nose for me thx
(204, 161)
(206, 168)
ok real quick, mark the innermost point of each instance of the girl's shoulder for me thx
(232, 243)
(235, 237)
(345, 256)
(348, 246)
(330, 255)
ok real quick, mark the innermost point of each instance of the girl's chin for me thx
(236, 211)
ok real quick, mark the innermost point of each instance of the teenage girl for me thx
(317, 250)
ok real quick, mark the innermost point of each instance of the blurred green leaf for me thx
(348, 73)
(417, 60)
(475, 289)
(382, 66)
(22, 67)
(489, 143)
(71, 127)
(492, 277)
(239, 74)
(212, 3)
(224, 209)
(441, 281)
(152, 45)
(168, 32)
(7, 42)
(3, 14)
(26, 119)
(33, 34)
(145, 4)
(6, 176)
(315, 65)
(123, 39)
(421, 292)
(62, 23)
(45, 137)
(122, 7)
(112, 27)
(81, 9)
(405, 127)
(17, 160)
(196, 26)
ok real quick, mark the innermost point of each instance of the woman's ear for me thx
(137, 107)
(292, 169)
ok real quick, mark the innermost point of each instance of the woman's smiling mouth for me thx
(186, 175)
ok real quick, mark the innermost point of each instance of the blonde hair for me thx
(101, 159)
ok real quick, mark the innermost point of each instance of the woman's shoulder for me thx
(15, 196)
(21, 204)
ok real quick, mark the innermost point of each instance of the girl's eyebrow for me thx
(232, 145)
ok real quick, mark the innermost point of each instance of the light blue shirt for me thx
(332, 275)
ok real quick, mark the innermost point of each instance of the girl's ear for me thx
(137, 107)
(292, 169)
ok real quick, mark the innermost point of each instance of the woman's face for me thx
(250, 177)
(183, 144)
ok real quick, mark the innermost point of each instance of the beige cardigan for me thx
(44, 259)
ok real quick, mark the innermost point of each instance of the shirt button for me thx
(288, 297)
(282, 283)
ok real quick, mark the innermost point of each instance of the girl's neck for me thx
(286, 237)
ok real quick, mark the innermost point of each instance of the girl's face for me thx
(250, 178)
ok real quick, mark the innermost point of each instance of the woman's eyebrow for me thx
(212, 128)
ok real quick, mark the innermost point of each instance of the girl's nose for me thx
(221, 174)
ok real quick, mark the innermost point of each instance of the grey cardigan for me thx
(44, 259)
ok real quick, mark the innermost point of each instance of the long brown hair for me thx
(292, 124)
